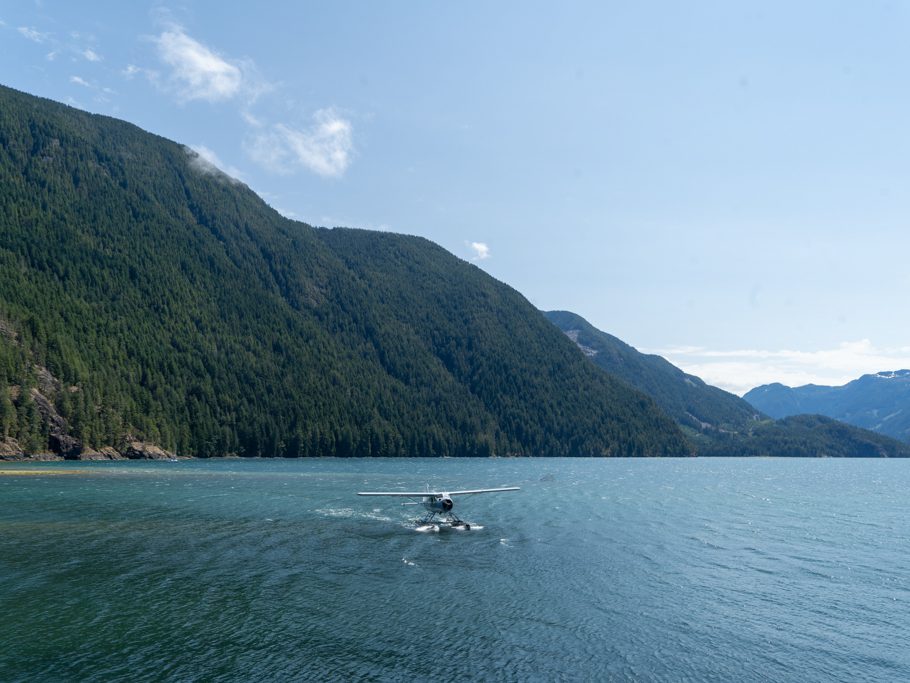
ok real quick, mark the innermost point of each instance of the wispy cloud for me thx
(33, 34)
(481, 250)
(199, 72)
(77, 50)
(195, 71)
(101, 93)
(251, 119)
(743, 369)
(325, 147)
(205, 161)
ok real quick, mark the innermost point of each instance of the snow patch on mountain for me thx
(894, 374)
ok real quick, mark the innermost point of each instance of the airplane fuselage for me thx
(441, 503)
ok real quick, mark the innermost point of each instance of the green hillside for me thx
(146, 297)
(686, 398)
(813, 436)
(718, 422)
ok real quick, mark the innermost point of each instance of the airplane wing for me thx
(464, 493)
(424, 494)
(421, 494)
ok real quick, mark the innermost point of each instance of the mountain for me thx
(807, 436)
(686, 398)
(147, 298)
(879, 402)
(718, 422)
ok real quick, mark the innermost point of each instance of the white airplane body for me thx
(438, 503)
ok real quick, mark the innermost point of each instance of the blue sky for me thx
(727, 184)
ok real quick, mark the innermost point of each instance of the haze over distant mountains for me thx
(718, 422)
(879, 402)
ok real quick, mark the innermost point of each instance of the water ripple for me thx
(697, 570)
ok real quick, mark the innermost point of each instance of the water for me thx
(644, 570)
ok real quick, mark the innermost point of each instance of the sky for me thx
(724, 183)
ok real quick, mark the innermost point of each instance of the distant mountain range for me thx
(879, 402)
(718, 422)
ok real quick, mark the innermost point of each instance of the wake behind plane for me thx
(438, 504)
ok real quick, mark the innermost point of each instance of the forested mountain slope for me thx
(145, 296)
(686, 398)
(718, 422)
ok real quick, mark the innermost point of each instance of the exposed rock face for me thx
(68, 446)
(139, 450)
(59, 440)
(47, 383)
(7, 329)
(48, 457)
(10, 449)
(105, 453)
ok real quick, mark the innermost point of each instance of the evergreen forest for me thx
(145, 296)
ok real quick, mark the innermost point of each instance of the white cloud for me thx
(481, 250)
(91, 55)
(251, 119)
(33, 34)
(205, 161)
(80, 81)
(741, 370)
(130, 70)
(198, 73)
(325, 147)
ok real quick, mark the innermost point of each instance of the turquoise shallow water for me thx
(645, 570)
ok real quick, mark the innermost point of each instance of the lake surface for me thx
(639, 570)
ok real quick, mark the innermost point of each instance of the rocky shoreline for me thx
(10, 451)
(61, 444)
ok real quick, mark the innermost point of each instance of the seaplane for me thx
(438, 505)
